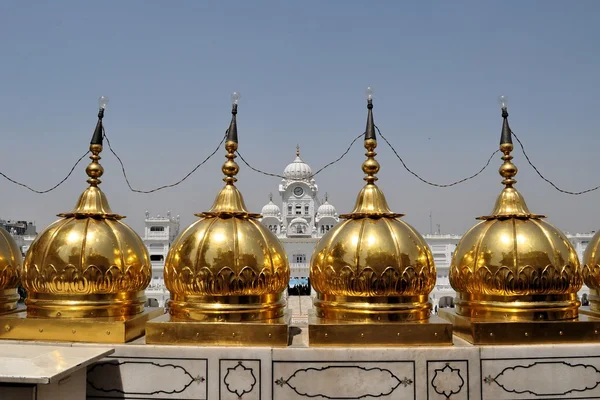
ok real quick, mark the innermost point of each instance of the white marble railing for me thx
(300, 372)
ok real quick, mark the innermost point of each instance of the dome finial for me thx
(92, 201)
(95, 170)
(370, 166)
(297, 150)
(326, 196)
(229, 200)
(510, 202)
(371, 200)
(508, 170)
(230, 167)
(270, 196)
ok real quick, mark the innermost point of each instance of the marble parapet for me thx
(462, 371)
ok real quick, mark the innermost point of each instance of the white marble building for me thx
(159, 233)
(302, 219)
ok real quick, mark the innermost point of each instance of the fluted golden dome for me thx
(591, 271)
(227, 266)
(513, 265)
(11, 263)
(372, 266)
(88, 263)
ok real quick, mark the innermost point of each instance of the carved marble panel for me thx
(448, 380)
(535, 378)
(147, 378)
(239, 379)
(343, 380)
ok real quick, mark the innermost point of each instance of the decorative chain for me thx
(431, 183)
(311, 176)
(163, 186)
(546, 179)
(53, 187)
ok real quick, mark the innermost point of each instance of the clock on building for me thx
(298, 191)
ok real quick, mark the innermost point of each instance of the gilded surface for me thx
(591, 271)
(11, 263)
(226, 257)
(513, 265)
(89, 263)
(227, 266)
(372, 257)
(372, 267)
(515, 257)
(87, 256)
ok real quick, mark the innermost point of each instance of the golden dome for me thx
(11, 263)
(513, 265)
(372, 266)
(88, 263)
(227, 266)
(591, 271)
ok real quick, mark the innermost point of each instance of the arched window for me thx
(157, 229)
(298, 209)
(289, 208)
(156, 257)
(306, 209)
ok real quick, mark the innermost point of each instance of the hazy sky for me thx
(301, 67)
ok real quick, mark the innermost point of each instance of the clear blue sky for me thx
(301, 67)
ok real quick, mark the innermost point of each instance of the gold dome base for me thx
(44, 305)
(168, 330)
(226, 308)
(372, 308)
(429, 332)
(584, 329)
(8, 300)
(518, 308)
(19, 326)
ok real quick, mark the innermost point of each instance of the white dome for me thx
(270, 210)
(326, 210)
(298, 169)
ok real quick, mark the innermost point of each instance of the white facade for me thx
(159, 233)
(442, 248)
(302, 218)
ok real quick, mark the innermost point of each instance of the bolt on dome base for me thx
(168, 330)
(479, 331)
(18, 326)
(429, 332)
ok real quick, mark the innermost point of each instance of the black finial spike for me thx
(98, 132)
(506, 136)
(370, 130)
(232, 135)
